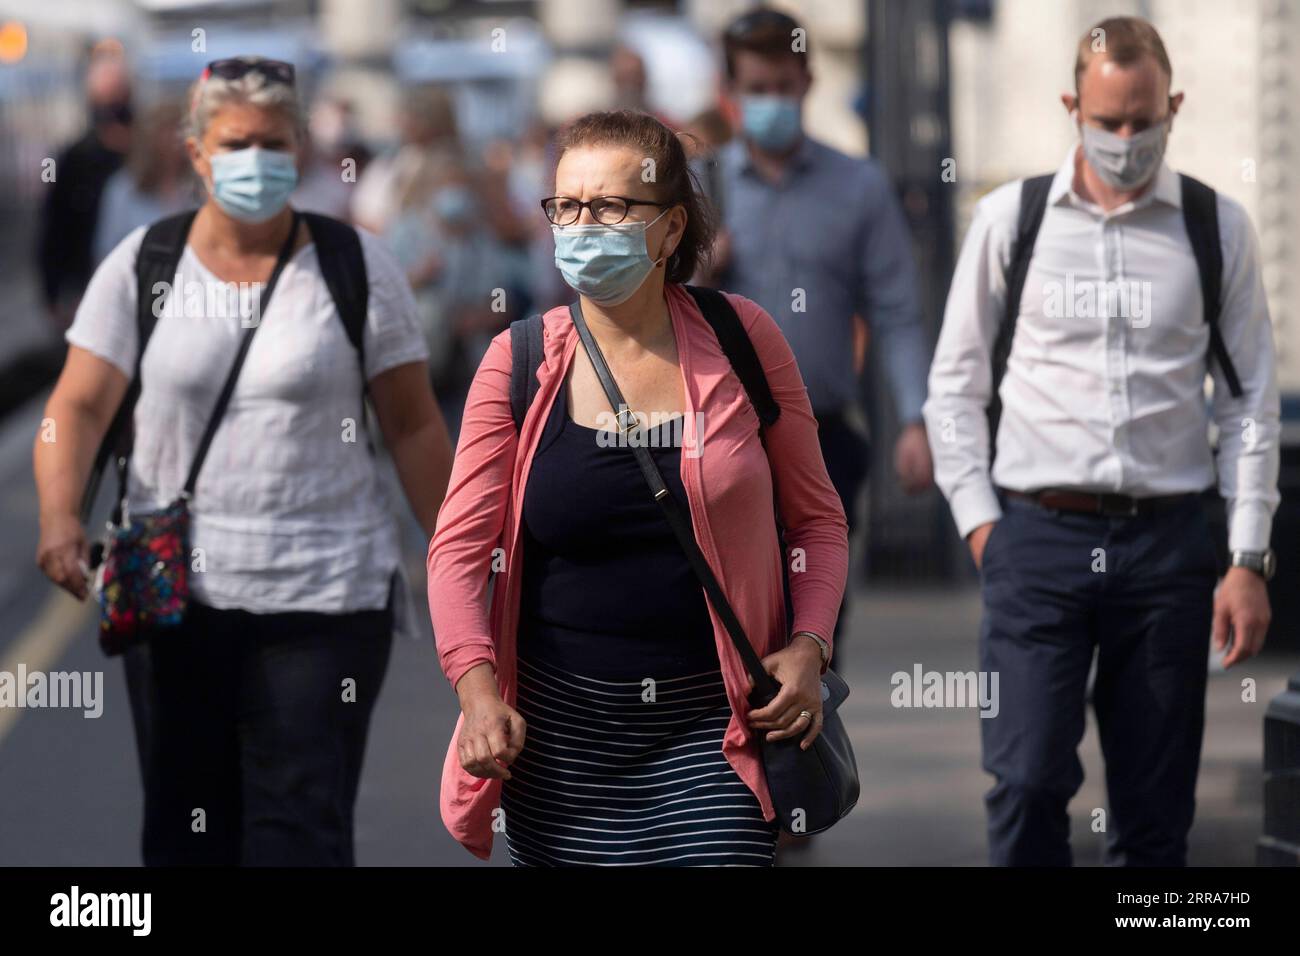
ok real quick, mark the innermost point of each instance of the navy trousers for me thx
(1138, 592)
(847, 455)
(247, 717)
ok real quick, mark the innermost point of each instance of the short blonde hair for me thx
(1123, 40)
(209, 95)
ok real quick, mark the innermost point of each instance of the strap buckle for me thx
(626, 419)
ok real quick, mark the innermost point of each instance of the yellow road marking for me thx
(43, 644)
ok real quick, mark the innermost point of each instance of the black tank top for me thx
(607, 591)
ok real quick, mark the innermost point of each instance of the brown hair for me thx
(1123, 40)
(766, 32)
(674, 182)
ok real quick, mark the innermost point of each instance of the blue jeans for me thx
(1137, 591)
(250, 740)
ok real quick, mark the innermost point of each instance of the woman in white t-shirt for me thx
(251, 715)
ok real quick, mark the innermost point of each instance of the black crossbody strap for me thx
(229, 387)
(765, 687)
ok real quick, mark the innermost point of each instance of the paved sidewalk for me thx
(70, 786)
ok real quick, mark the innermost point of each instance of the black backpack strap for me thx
(1201, 218)
(155, 272)
(525, 360)
(1033, 205)
(343, 265)
(526, 357)
(738, 348)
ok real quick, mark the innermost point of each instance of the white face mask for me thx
(1124, 162)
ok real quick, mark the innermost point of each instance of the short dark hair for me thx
(674, 183)
(1123, 40)
(766, 32)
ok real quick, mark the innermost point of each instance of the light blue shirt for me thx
(827, 243)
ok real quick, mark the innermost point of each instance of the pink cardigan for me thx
(729, 486)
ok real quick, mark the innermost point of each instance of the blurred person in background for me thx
(596, 598)
(703, 137)
(817, 237)
(469, 285)
(335, 160)
(237, 708)
(64, 244)
(631, 83)
(155, 183)
(526, 167)
(429, 136)
(1090, 533)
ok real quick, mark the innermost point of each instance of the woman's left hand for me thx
(798, 670)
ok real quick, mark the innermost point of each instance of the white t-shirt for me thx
(288, 513)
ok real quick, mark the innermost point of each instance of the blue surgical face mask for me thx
(607, 264)
(454, 204)
(253, 184)
(771, 122)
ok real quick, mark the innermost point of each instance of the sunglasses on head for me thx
(233, 68)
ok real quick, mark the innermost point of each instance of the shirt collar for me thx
(1166, 189)
(802, 159)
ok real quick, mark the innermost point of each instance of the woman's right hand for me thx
(491, 736)
(62, 553)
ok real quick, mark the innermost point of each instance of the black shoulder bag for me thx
(811, 789)
(143, 584)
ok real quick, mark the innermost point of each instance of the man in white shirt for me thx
(1090, 530)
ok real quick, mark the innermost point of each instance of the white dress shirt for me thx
(1104, 389)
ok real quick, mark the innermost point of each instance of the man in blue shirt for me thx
(816, 237)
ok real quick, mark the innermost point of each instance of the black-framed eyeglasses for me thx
(233, 68)
(606, 210)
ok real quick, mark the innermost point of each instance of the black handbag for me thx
(811, 789)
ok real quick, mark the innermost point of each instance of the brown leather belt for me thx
(1100, 503)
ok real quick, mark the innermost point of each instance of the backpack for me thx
(1200, 218)
(338, 248)
(526, 357)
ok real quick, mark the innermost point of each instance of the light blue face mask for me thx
(253, 184)
(771, 122)
(455, 204)
(607, 264)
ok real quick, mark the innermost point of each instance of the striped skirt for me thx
(609, 778)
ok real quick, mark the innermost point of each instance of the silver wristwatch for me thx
(1263, 563)
(825, 647)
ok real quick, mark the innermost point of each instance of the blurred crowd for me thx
(465, 223)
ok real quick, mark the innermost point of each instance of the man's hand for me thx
(1241, 604)
(912, 461)
(977, 539)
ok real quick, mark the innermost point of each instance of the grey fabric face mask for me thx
(1122, 162)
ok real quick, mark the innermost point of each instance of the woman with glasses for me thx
(604, 718)
(251, 714)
